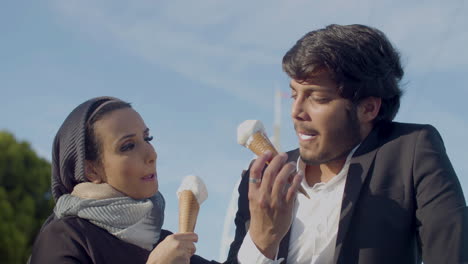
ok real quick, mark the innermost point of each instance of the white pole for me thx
(277, 121)
(229, 231)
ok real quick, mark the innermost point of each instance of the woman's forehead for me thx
(120, 123)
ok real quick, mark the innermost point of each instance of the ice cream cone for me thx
(260, 144)
(250, 134)
(188, 211)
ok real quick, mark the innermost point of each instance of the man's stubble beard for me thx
(353, 137)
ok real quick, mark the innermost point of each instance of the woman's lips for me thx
(150, 177)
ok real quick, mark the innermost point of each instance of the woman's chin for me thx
(152, 192)
(144, 195)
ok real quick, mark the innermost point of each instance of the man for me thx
(380, 191)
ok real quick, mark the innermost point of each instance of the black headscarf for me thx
(68, 151)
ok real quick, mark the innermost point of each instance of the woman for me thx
(104, 180)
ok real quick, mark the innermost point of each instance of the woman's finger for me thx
(192, 237)
(191, 249)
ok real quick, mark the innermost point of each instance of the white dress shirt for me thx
(314, 227)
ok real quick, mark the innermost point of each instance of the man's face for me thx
(326, 124)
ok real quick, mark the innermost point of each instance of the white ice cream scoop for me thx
(248, 128)
(251, 134)
(191, 193)
(196, 185)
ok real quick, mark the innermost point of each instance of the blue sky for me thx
(195, 70)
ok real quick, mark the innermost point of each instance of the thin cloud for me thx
(431, 36)
(188, 53)
(254, 35)
(181, 36)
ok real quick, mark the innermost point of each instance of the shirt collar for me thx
(300, 166)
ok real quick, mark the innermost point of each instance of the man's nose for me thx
(297, 109)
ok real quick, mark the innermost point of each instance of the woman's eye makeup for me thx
(127, 146)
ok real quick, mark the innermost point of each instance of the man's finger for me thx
(282, 180)
(292, 192)
(272, 171)
(256, 170)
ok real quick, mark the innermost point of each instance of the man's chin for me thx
(309, 158)
(321, 158)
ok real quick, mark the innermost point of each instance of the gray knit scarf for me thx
(137, 222)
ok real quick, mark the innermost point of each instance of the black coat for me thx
(76, 240)
(402, 202)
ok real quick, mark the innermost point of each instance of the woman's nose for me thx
(151, 155)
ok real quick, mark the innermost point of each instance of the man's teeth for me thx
(305, 137)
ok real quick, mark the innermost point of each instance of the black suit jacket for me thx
(402, 202)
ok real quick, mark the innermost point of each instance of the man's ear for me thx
(369, 108)
(92, 172)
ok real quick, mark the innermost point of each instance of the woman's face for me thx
(128, 160)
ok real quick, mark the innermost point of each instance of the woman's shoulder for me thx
(70, 228)
(72, 222)
(75, 238)
(60, 239)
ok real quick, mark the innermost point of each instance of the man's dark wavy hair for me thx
(360, 59)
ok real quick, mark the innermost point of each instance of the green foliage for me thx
(25, 199)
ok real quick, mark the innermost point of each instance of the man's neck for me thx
(323, 172)
(326, 171)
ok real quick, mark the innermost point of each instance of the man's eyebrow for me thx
(311, 88)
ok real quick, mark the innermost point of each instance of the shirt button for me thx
(320, 228)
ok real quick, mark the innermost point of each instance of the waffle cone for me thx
(188, 211)
(260, 144)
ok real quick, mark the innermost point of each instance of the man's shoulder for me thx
(398, 129)
(405, 125)
(389, 135)
(293, 155)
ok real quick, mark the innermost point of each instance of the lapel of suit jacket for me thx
(360, 164)
(284, 244)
